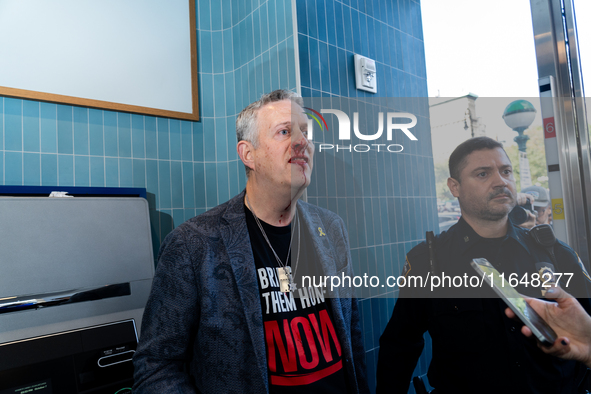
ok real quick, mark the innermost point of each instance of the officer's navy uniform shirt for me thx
(476, 348)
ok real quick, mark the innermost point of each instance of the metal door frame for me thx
(558, 60)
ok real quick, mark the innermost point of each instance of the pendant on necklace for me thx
(285, 279)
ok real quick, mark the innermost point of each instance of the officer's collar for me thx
(470, 237)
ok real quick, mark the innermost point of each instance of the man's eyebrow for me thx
(286, 123)
(483, 168)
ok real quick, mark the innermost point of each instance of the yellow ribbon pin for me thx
(321, 232)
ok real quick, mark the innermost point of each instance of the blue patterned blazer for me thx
(202, 329)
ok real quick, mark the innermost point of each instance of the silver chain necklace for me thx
(286, 281)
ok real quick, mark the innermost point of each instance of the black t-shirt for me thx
(302, 347)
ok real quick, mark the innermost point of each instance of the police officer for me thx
(475, 347)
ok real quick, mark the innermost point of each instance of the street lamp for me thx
(468, 122)
(519, 115)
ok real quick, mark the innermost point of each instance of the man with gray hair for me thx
(226, 313)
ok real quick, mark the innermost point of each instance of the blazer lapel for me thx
(237, 242)
(326, 258)
(323, 249)
(324, 254)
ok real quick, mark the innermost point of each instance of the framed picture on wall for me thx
(135, 56)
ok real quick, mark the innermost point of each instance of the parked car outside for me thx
(447, 219)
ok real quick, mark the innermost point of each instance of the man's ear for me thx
(454, 187)
(245, 152)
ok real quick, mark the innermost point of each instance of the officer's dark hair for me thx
(457, 160)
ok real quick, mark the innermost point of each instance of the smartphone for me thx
(541, 330)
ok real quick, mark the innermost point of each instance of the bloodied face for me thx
(284, 155)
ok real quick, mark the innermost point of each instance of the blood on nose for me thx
(299, 144)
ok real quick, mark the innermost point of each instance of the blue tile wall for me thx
(245, 48)
(386, 205)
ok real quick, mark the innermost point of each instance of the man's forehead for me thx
(486, 158)
(283, 106)
(286, 110)
(280, 114)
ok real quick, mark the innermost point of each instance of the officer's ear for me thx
(454, 186)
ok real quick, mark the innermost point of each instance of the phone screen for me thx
(543, 332)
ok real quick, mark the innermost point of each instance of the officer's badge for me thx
(547, 279)
(406, 269)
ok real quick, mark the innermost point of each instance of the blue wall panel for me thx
(386, 206)
(246, 48)
(187, 167)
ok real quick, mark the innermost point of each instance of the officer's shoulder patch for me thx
(407, 267)
(583, 269)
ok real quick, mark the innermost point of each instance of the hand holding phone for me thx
(539, 328)
(569, 320)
